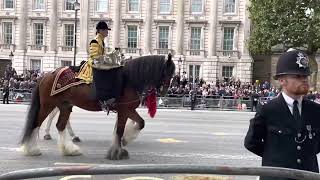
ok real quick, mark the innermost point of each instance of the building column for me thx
(53, 26)
(246, 61)
(84, 14)
(148, 29)
(213, 28)
(50, 61)
(116, 24)
(19, 57)
(82, 54)
(180, 27)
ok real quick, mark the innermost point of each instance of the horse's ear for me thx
(169, 58)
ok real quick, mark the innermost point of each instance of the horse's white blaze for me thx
(131, 132)
(67, 147)
(31, 148)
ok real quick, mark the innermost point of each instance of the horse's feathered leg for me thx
(67, 147)
(116, 152)
(133, 127)
(47, 135)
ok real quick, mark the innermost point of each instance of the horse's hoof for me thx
(76, 139)
(117, 154)
(31, 151)
(70, 150)
(47, 137)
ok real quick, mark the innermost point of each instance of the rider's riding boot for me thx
(106, 104)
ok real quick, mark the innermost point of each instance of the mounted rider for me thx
(100, 61)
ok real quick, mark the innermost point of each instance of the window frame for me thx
(64, 39)
(4, 5)
(4, 33)
(170, 8)
(96, 6)
(34, 38)
(168, 37)
(202, 8)
(225, 72)
(223, 39)
(128, 7)
(191, 74)
(235, 8)
(65, 5)
(31, 60)
(65, 61)
(34, 5)
(127, 37)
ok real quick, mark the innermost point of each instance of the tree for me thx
(290, 23)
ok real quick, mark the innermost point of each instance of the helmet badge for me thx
(302, 60)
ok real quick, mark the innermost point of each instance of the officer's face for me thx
(295, 85)
(104, 32)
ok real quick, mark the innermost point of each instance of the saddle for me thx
(65, 79)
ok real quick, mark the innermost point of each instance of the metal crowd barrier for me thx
(159, 168)
(18, 95)
(226, 102)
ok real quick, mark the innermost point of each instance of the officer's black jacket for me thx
(272, 134)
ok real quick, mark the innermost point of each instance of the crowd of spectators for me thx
(226, 87)
(24, 82)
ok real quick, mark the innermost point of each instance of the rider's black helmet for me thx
(102, 25)
(293, 62)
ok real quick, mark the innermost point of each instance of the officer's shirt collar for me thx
(289, 100)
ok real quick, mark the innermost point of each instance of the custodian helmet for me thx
(293, 62)
(102, 25)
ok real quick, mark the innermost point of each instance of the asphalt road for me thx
(172, 137)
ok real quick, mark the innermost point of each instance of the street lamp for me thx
(11, 56)
(179, 64)
(76, 5)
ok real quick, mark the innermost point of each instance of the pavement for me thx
(174, 136)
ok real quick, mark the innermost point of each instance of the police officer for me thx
(5, 92)
(193, 98)
(286, 131)
(96, 51)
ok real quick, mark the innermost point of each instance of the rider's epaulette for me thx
(94, 41)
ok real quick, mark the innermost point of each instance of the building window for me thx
(194, 70)
(229, 6)
(35, 64)
(38, 34)
(163, 39)
(68, 35)
(227, 71)
(132, 39)
(102, 6)
(7, 32)
(8, 4)
(65, 63)
(228, 35)
(39, 4)
(195, 41)
(164, 6)
(196, 6)
(69, 5)
(133, 5)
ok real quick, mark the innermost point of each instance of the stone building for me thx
(206, 37)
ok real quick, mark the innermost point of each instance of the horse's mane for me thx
(144, 71)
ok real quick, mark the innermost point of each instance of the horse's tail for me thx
(32, 117)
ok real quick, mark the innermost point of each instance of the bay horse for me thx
(138, 74)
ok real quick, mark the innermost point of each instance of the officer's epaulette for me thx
(94, 41)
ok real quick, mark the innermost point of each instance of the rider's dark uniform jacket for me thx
(273, 135)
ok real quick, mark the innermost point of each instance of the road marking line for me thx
(142, 178)
(17, 149)
(170, 140)
(76, 177)
(74, 164)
